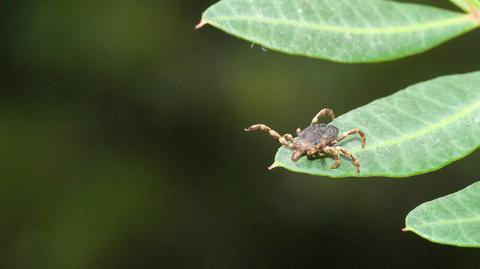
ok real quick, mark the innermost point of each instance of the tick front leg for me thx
(288, 137)
(323, 112)
(351, 132)
(285, 140)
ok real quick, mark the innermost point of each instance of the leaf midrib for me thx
(347, 29)
(475, 218)
(423, 131)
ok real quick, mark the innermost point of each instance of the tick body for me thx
(318, 139)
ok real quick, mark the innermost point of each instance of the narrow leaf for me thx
(339, 30)
(453, 219)
(467, 5)
(415, 131)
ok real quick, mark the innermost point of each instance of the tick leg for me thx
(335, 154)
(299, 131)
(311, 152)
(323, 112)
(351, 132)
(288, 137)
(351, 156)
(285, 140)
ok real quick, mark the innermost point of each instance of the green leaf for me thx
(415, 131)
(467, 5)
(453, 219)
(339, 30)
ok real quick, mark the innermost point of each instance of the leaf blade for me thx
(417, 130)
(344, 31)
(453, 219)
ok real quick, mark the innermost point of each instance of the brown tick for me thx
(316, 140)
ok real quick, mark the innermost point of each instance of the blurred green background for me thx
(122, 146)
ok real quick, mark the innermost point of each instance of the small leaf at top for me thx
(339, 30)
(417, 130)
(453, 219)
(467, 5)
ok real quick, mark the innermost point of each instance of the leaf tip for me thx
(274, 165)
(200, 24)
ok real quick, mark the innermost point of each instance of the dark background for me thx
(121, 146)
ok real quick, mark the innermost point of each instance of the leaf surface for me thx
(339, 30)
(453, 219)
(417, 130)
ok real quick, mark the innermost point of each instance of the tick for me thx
(317, 140)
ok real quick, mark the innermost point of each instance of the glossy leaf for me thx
(339, 30)
(453, 219)
(414, 131)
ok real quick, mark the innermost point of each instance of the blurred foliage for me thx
(351, 31)
(122, 146)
